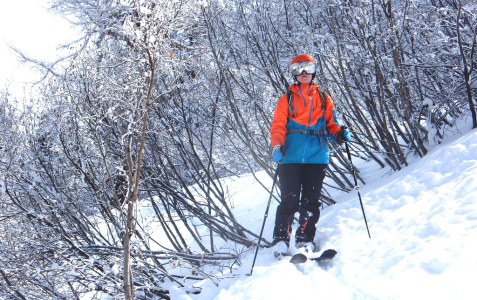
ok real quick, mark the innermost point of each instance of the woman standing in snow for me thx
(299, 129)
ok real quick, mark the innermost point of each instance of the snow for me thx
(423, 224)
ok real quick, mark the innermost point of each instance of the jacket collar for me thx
(304, 87)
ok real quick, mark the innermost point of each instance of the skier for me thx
(300, 147)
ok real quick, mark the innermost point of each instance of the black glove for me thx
(343, 135)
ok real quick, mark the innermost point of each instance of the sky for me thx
(423, 224)
(29, 26)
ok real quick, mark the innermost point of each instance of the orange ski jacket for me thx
(308, 115)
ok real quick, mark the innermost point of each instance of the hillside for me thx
(423, 222)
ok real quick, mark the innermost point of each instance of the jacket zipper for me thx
(307, 137)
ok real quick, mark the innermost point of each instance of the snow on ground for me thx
(423, 223)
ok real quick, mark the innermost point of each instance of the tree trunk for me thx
(135, 177)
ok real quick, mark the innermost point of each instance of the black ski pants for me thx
(305, 180)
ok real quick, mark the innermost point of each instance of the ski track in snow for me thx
(423, 224)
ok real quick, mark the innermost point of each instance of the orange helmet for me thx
(302, 57)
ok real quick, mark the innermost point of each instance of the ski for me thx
(300, 258)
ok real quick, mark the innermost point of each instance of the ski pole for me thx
(265, 217)
(356, 187)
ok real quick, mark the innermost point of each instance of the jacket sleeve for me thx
(333, 121)
(278, 130)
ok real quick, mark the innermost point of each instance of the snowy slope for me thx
(423, 223)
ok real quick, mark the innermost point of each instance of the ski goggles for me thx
(297, 68)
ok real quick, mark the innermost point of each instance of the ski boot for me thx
(305, 245)
(280, 247)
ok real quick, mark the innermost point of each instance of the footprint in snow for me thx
(434, 266)
(431, 228)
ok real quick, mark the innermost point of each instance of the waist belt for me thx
(312, 132)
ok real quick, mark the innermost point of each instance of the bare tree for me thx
(467, 51)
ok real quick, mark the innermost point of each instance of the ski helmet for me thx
(302, 57)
